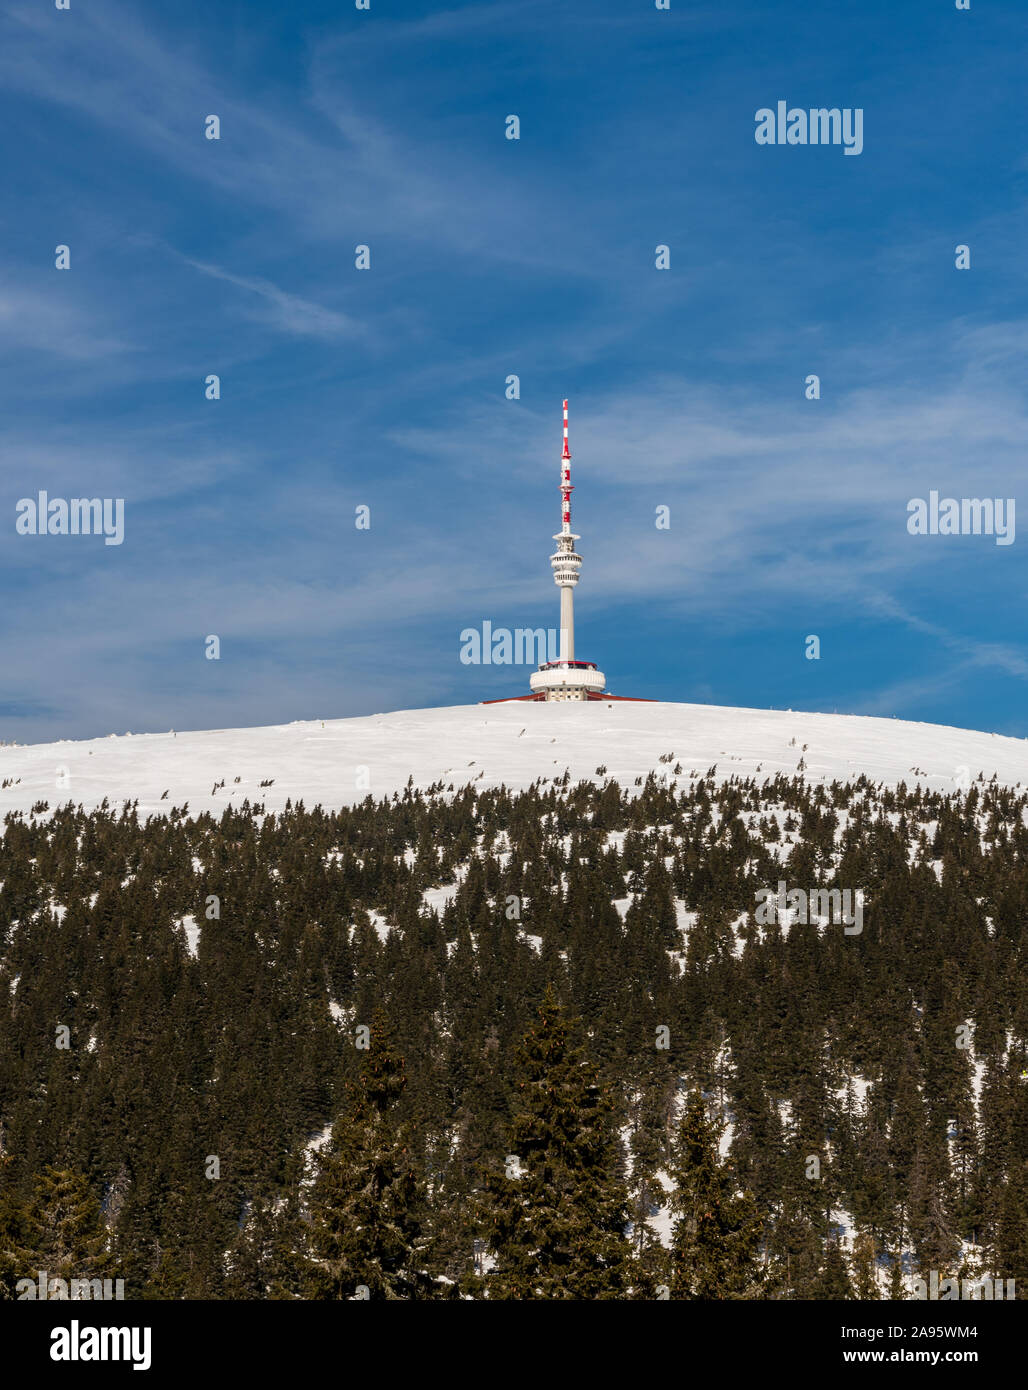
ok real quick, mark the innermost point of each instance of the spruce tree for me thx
(367, 1203)
(715, 1245)
(897, 1288)
(865, 1266)
(263, 1260)
(67, 1228)
(18, 1258)
(833, 1281)
(647, 1146)
(557, 1217)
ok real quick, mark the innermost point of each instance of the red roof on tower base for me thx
(590, 695)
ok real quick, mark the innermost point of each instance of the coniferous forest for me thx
(518, 1045)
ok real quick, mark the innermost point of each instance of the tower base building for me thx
(568, 680)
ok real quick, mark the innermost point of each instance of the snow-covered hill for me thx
(336, 762)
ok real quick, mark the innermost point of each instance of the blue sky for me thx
(385, 387)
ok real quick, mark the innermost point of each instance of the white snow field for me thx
(340, 761)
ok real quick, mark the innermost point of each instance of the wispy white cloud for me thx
(327, 166)
(291, 313)
(58, 323)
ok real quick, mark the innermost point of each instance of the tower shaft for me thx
(567, 623)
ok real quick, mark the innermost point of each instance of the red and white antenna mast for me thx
(565, 480)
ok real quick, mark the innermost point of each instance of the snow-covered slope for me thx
(341, 761)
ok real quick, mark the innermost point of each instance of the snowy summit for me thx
(337, 762)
